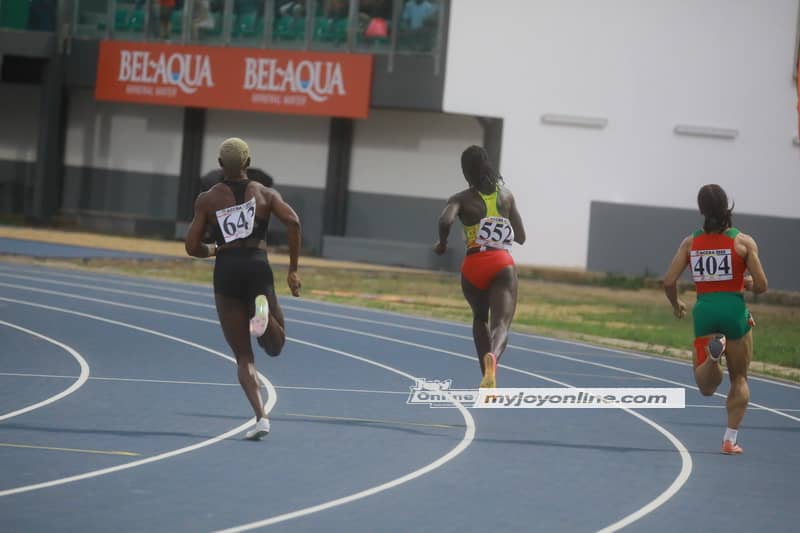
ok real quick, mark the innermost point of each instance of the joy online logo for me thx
(318, 79)
(186, 71)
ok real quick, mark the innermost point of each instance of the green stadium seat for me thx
(286, 29)
(340, 30)
(177, 21)
(136, 21)
(121, 20)
(14, 14)
(323, 30)
(245, 25)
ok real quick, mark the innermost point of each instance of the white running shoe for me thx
(260, 320)
(260, 430)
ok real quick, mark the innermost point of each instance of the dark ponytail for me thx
(713, 204)
(477, 168)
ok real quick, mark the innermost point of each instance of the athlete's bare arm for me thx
(676, 268)
(516, 222)
(194, 236)
(745, 243)
(289, 218)
(446, 220)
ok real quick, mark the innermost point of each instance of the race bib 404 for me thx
(237, 222)
(711, 265)
(495, 232)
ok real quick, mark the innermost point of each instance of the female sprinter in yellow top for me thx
(491, 221)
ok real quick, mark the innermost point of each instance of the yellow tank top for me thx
(471, 232)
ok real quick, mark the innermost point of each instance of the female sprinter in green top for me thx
(718, 256)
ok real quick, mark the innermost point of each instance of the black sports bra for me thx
(260, 226)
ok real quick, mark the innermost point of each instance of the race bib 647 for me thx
(237, 222)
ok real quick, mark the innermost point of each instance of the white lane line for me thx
(106, 302)
(642, 374)
(98, 287)
(672, 490)
(331, 389)
(291, 387)
(378, 421)
(469, 435)
(402, 326)
(81, 379)
(208, 383)
(658, 501)
(513, 346)
(272, 398)
(159, 284)
(469, 432)
(527, 335)
(323, 389)
(134, 380)
(653, 358)
(680, 480)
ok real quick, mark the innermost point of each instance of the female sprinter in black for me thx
(238, 211)
(491, 221)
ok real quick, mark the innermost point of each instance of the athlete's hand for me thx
(294, 283)
(748, 282)
(679, 309)
(440, 248)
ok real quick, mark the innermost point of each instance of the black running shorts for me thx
(243, 273)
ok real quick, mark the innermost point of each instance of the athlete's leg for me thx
(274, 338)
(503, 304)
(478, 301)
(708, 374)
(234, 319)
(738, 354)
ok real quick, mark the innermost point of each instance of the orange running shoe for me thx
(489, 380)
(731, 448)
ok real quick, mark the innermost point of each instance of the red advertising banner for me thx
(277, 81)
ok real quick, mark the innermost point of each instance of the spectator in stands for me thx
(288, 9)
(165, 9)
(336, 9)
(418, 21)
(201, 17)
(374, 18)
(417, 14)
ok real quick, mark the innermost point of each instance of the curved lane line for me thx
(467, 439)
(469, 435)
(82, 378)
(658, 501)
(379, 312)
(271, 400)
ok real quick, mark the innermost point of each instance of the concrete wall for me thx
(641, 240)
(19, 109)
(404, 167)
(644, 67)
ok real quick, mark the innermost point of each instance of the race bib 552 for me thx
(495, 232)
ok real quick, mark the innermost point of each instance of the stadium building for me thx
(604, 118)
